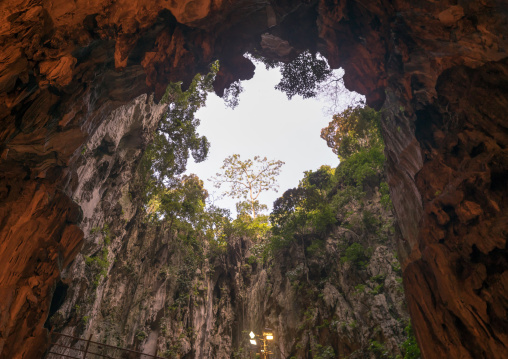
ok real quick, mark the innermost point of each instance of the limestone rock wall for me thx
(168, 293)
(320, 305)
(103, 167)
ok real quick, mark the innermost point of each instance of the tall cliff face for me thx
(102, 164)
(65, 67)
(463, 230)
(149, 287)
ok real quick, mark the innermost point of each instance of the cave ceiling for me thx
(438, 70)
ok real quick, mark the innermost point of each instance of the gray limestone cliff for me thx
(148, 287)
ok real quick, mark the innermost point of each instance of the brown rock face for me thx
(437, 69)
(33, 253)
(463, 265)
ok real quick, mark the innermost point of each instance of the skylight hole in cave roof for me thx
(266, 123)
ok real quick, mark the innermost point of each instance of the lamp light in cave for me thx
(268, 334)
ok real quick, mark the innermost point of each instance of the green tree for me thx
(244, 208)
(355, 254)
(248, 179)
(302, 75)
(352, 130)
(306, 207)
(176, 138)
(183, 201)
(215, 224)
(364, 164)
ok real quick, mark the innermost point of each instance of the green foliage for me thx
(232, 93)
(346, 195)
(378, 349)
(215, 224)
(302, 75)
(360, 288)
(386, 201)
(355, 254)
(396, 267)
(361, 165)
(380, 278)
(322, 352)
(104, 231)
(254, 228)
(410, 346)
(370, 222)
(285, 209)
(354, 135)
(325, 324)
(141, 335)
(99, 265)
(353, 129)
(377, 289)
(248, 179)
(176, 137)
(183, 201)
(305, 209)
(316, 246)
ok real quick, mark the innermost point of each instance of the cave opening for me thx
(266, 122)
(71, 74)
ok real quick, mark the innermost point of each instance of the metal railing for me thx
(89, 349)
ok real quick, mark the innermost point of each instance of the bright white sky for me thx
(265, 123)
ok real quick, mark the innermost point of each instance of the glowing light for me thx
(253, 342)
(269, 337)
(252, 335)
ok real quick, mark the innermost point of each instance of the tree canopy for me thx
(304, 207)
(248, 179)
(184, 200)
(176, 137)
(302, 75)
(351, 130)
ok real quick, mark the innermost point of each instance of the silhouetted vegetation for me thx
(232, 94)
(302, 75)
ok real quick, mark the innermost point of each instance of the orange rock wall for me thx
(436, 70)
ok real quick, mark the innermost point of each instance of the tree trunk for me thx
(252, 204)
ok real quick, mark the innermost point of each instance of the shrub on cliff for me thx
(305, 209)
(355, 254)
(410, 346)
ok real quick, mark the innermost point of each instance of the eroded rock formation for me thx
(435, 68)
(155, 288)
